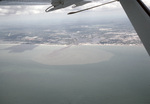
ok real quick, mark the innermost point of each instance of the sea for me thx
(74, 74)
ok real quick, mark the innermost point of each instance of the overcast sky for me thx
(112, 10)
(29, 10)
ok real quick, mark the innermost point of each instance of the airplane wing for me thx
(139, 16)
(55, 4)
(59, 4)
(44, 2)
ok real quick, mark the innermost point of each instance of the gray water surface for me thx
(124, 78)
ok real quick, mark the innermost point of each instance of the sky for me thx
(37, 12)
(40, 9)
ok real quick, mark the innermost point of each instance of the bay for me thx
(94, 74)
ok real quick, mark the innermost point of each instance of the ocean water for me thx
(87, 74)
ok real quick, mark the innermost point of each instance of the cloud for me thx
(21, 10)
(147, 2)
(39, 9)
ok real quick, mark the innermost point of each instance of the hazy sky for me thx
(38, 12)
(30, 10)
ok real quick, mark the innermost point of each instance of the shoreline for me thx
(84, 44)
